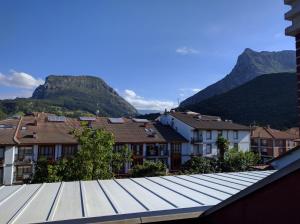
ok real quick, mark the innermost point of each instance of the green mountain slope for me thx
(267, 99)
(71, 95)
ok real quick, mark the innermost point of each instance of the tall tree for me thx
(223, 146)
(97, 158)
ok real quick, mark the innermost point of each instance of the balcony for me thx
(197, 140)
(157, 153)
(24, 160)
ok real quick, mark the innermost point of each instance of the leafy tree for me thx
(223, 145)
(199, 164)
(96, 158)
(149, 169)
(235, 160)
(41, 171)
(2, 115)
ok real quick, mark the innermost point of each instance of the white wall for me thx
(8, 170)
(187, 131)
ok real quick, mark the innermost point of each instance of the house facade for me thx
(202, 132)
(26, 139)
(270, 143)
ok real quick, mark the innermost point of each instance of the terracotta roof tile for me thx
(38, 130)
(207, 122)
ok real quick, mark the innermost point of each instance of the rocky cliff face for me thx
(250, 64)
(86, 93)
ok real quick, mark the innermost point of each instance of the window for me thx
(163, 149)
(119, 147)
(220, 133)
(151, 150)
(235, 134)
(25, 151)
(198, 149)
(69, 150)
(208, 149)
(176, 148)
(137, 150)
(264, 142)
(22, 171)
(208, 134)
(47, 151)
(2, 149)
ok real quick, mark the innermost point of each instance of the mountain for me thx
(71, 95)
(266, 100)
(250, 64)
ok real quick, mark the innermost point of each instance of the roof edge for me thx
(144, 217)
(17, 130)
(260, 184)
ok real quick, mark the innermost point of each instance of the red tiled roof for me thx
(7, 134)
(207, 122)
(37, 130)
(269, 133)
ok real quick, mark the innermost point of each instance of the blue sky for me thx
(152, 52)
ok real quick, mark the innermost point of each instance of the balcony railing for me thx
(197, 140)
(25, 159)
(157, 153)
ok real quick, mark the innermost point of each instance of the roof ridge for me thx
(17, 130)
(266, 129)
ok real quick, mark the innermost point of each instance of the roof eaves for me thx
(260, 184)
(144, 217)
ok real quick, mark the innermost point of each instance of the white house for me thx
(202, 131)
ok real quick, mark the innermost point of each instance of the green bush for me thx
(149, 169)
(200, 165)
(235, 160)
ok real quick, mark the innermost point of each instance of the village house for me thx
(25, 139)
(202, 132)
(172, 140)
(270, 143)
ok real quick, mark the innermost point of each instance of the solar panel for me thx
(138, 120)
(54, 118)
(87, 118)
(116, 120)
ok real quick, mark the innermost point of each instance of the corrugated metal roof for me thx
(120, 198)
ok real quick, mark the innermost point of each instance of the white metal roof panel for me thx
(122, 201)
(97, 204)
(175, 198)
(203, 182)
(149, 200)
(42, 201)
(69, 205)
(10, 208)
(206, 190)
(201, 198)
(109, 199)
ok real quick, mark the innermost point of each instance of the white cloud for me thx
(20, 94)
(141, 103)
(187, 92)
(20, 80)
(186, 51)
